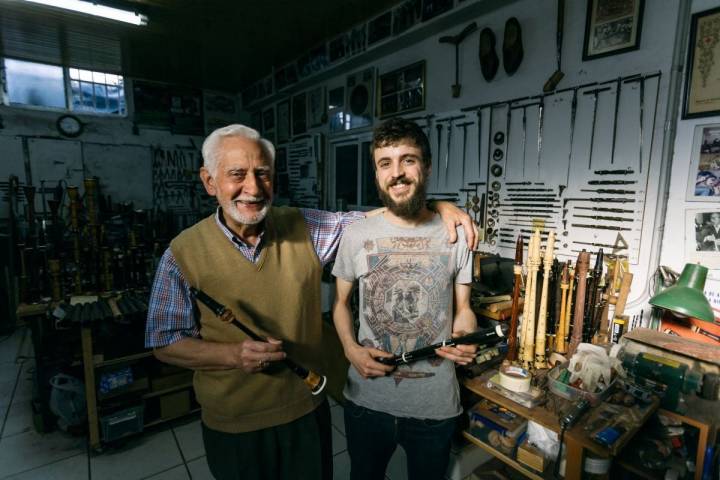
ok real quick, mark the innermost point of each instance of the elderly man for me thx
(264, 263)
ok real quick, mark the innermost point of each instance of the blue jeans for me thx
(373, 436)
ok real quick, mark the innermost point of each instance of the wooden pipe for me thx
(561, 329)
(540, 361)
(530, 300)
(581, 271)
(517, 272)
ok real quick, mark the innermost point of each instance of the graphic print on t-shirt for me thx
(406, 299)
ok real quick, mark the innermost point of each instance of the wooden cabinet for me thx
(577, 441)
(150, 400)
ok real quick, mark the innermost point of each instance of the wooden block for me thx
(531, 456)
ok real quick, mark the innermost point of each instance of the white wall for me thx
(537, 19)
(677, 240)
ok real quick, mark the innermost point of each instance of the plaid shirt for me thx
(170, 311)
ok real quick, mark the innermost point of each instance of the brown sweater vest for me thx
(278, 297)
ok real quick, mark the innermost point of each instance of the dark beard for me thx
(408, 209)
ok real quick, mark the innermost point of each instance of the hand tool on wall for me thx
(573, 114)
(625, 171)
(598, 200)
(581, 270)
(456, 40)
(610, 191)
(602, 209)
(540, 339)
(464, 127)
(601, 227)
(439, 129)
(612, 182)
(557, 75)
(612, 219)
(594, 93)
(541, 108)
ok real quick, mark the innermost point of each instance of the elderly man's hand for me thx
(253, 356)
(452, 216)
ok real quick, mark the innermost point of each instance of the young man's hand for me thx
(452, 216)
(460, 354)
(363, 359)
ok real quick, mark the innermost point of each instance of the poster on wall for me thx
(612, 27)
(282, 125)
(316, 106)
(299, 113)
(704, 177)
(702, 88)
(702, 237)
(220, 110)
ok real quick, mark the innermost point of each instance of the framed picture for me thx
(704, 177)
(336, 109)
(379, 28)
(282, 126)
(299, 113)
(702, 236)
(402, 90)
(268, 120)
(316, 107)
(612, 27)
(702, 89)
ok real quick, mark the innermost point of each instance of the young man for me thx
(414, 291)
(264, 263)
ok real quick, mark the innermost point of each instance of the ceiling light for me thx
(96, 10)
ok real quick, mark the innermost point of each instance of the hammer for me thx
(457, 40)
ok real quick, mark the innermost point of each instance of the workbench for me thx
(577, 441)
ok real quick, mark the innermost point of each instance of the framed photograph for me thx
(702, 89)
(704, 177)
(282, 126)
(316, 107)
(336, 109)
(612, 27)
(379, 28)
(702, 236)
(299, 113)
(402, 90)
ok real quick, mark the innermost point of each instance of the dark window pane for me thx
(370, 197)
(346, 170)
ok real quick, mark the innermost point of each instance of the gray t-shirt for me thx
(407, 276)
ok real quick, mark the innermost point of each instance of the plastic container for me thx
(122, 423)
(571, 393)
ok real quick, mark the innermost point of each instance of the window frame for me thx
(67, 86)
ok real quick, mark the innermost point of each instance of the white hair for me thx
(211, 145)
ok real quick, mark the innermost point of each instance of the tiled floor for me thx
(173, 453)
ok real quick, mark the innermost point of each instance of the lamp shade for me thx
(686, 297)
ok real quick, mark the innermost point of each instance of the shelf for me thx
(641, 472)
(162, 420)
(119, 360)
(532, 474)
(174, 388)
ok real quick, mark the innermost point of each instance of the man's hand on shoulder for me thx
(452, 216)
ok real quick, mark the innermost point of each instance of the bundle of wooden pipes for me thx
(566, 306)
(77, 244)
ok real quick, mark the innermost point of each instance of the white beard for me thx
(246, 219)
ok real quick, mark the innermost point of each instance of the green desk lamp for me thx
(686, 297)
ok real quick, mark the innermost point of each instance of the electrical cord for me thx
(556, 470)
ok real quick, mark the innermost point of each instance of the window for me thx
(41, 85)
(96, 92)
(35, 84)
(353, 175)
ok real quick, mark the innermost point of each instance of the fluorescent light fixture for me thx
(96, 10)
